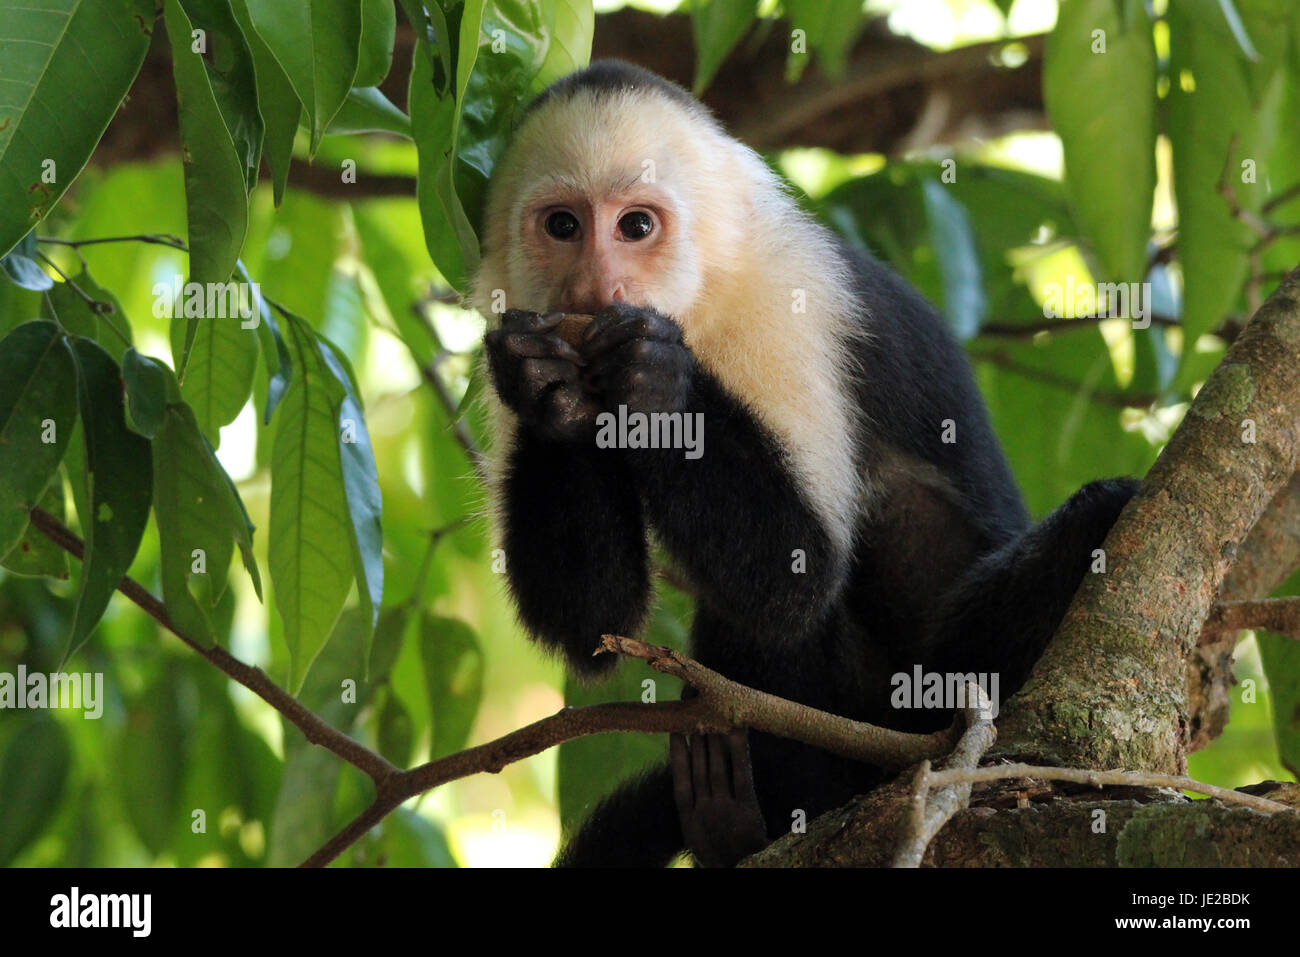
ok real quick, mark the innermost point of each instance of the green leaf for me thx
(717, 26)
(54, 107)
(275, 355)
(965, 305)
(38, 408)
(410, 840)
(1281, 659)
(118, 486)
(569, 25)
(233, 79)
(453, 246)
(104, 322)
(363, 500)
(276, 101)
(147, 382)
(316, 43)
(461, 137)
(35, 555)
(32, 779)
(218, 377)
(395, 730)
(197, 508)
(1110, 151)
(303, 818)
(310, 534)
(1215, 121)
(216, 185)
(149, 763)
(20, 265)
(366, 110)
(830, 27)
(453, 678)
(387, 644)
(375, 51)
(1238, 29)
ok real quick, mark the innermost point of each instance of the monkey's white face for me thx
(592, 252)
(598, 200)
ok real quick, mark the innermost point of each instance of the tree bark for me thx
(1111, 690)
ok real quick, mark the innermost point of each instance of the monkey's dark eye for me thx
(637, 225)
(562, 225)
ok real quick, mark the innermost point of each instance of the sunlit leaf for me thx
(375, 50)
(366, 110)
(310, 535)
(1109, 153)
(276, 101)
(362, 495)
(54, 108)
(316, 43)
(198, 511)
(216, 183)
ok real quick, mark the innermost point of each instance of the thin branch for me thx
(720, 706)
(742, 706)
(1279, 615)
(1027, 330)
(254, 679)
(1118, 399)
(429, 372)
(929, 816)
(157, 239)
(1099, 779)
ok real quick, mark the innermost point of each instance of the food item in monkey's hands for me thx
(572, 327)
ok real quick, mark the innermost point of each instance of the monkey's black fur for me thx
(946, 571)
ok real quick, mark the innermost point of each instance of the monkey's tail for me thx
(1002, 613)
(636, 826)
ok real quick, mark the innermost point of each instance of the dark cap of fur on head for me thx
(610, 76)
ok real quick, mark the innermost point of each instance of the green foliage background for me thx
(176, 431)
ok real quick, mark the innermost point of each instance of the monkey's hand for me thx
(713, 785)
(539, 376)
(636, 357)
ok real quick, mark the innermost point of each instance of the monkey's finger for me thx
(521, 320)
(679, 758)
(642, 356)
(742, 768)
(719, 780)
(538, 347)
(605, 333)
(700, 766)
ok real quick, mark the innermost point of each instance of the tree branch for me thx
(931, 814)
(1111, 690)
(721, 705)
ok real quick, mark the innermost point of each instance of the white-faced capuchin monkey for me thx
(846, 513)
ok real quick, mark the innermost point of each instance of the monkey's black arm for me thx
(575, 544)
(1001, 614)
(736, 521)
